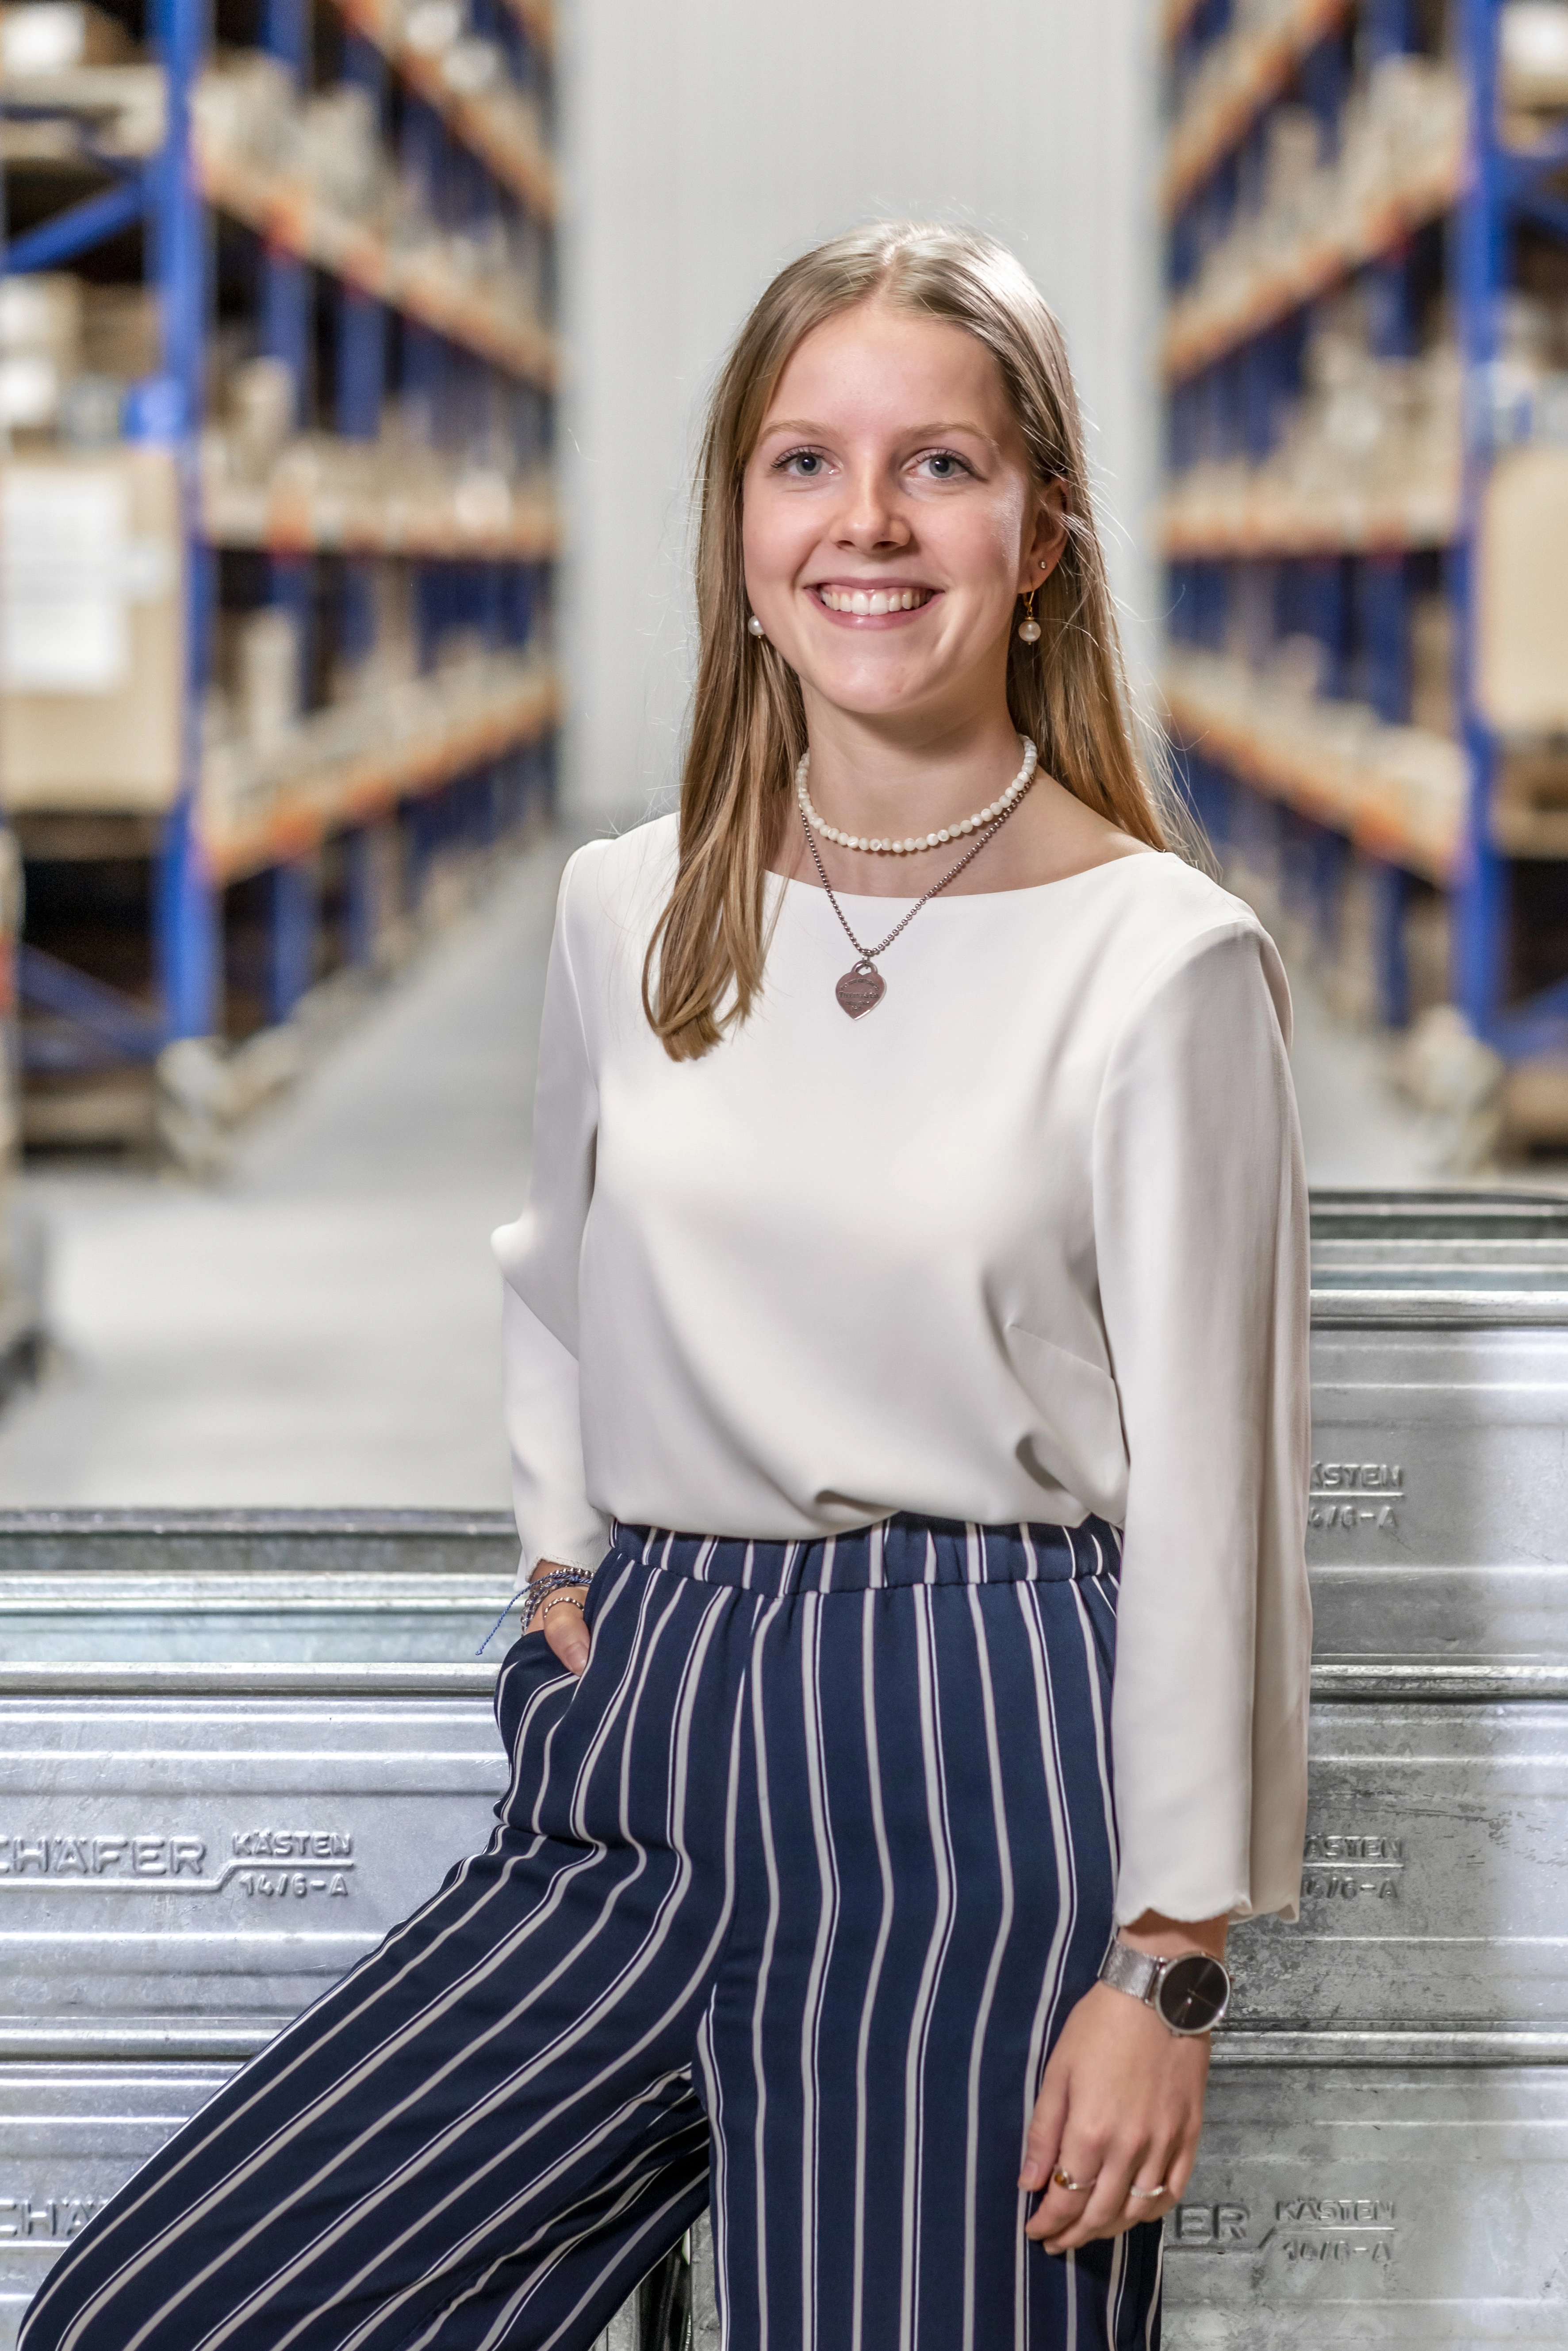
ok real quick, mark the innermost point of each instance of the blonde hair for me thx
(705, 962)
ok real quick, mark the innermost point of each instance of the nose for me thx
(870, 517)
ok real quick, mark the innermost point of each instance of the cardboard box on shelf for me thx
(1350, 971)
(1433, 651)
(1530, 803)
(54, 38)
(1398, 159)
(1535, 55)
(1522, 671)
(1535, 1105)
(1397, 791)
(267, 676)
(41, 347)
(91, 634)
(1371, 454)
(120, 331)
(42, 312)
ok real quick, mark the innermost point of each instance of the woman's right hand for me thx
(561, 1620)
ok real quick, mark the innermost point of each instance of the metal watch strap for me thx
(1137, 1972)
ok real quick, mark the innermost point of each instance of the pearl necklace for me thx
(1001, 806)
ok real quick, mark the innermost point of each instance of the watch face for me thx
(1193, 1993)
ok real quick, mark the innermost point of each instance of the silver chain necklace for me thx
(862, 986)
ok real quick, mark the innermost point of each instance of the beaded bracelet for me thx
(559, 1579)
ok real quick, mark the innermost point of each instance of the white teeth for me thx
(869, 604)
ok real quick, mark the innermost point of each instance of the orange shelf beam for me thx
(1214, 124)
(284, 524)
(518, 161)
(1203, 330)
(355, 790)
(290, 217)
(1348, 526)
(1360, 802)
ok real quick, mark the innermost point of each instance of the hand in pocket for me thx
(561, 1620)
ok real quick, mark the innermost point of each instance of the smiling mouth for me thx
(870, 604)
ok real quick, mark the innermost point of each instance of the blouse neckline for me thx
(966, 897)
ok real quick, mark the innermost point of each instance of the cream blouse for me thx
(1028, 1241)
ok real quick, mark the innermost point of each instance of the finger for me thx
(1165, 2166)
(1073, 2180)
(1102, 2213)
(1157, 2172)
(563, 1627)
(1044, 2139)
(1179, 2164)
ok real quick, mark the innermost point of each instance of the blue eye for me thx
(944, 465)
(809, 462)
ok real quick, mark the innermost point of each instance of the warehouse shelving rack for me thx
(248, 906)
(1325, 797)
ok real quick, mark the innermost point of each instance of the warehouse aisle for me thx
(1358, 1132)
(323, 1330)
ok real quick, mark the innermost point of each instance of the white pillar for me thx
(705, 144)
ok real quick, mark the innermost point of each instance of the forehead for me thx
(878, 366)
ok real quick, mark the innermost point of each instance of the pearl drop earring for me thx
(1029, 627)
(755, 625)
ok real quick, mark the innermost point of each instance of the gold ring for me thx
(1160, 2190)
(1074, 2187)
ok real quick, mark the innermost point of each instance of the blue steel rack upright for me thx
(506, 595)
(1235, 402)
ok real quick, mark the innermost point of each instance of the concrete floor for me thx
(1358, 1132)
(322, 1330)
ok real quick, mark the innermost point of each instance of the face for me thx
(892, 519)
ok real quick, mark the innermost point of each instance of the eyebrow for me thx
(920, 433)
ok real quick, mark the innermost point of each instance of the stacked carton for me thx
(91, 653)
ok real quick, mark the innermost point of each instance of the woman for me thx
(907, 1322)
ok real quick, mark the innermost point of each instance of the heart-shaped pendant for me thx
(861, 990)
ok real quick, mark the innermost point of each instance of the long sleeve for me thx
(539, 1258)
(1200, 1220)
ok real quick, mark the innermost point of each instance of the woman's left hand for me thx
(1121, 2106)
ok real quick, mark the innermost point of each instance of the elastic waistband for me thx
(897, 1552)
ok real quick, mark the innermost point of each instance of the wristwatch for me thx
(1190, 1995)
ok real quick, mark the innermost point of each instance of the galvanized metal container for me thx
(289, 1739)
(1450, 1214)
(215, 1854)
(1351, 2202)
(254, 1587)
(1433, 1895)
(1363, 2200)
(1438, 1522)
(214, 1846)
(70, 2134)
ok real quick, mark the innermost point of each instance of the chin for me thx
(870, 690)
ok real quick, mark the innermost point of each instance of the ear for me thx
(1048, 542)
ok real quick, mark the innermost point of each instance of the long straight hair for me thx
(705, 961)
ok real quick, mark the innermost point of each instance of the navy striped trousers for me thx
(789, 1897)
